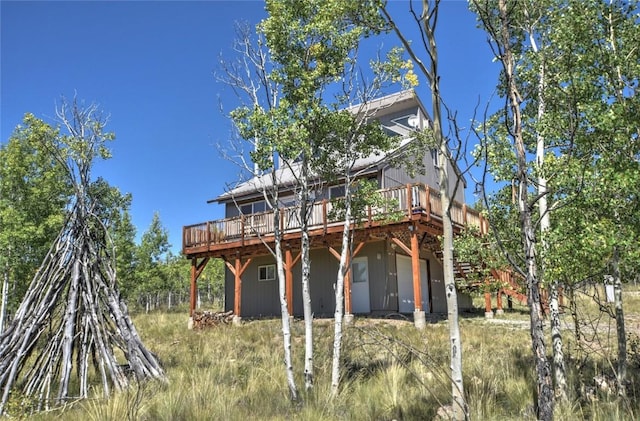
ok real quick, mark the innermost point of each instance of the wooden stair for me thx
(512, 288)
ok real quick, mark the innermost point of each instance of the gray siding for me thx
(438, 297)
(260, 298)
(393, 177)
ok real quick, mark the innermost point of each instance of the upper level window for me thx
(435, 156)
(255, 207)
(336, 191)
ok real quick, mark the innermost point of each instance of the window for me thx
(267, 273)
(255, 207)
(336, 191)
(436, 163)
(434, 157)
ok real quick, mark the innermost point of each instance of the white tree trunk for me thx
(620, 328)
(559, 371)
(306, 274)
(545, 400)
(459, 403)
(460, 409)
(339, 311)
(284, 310)
(5, 299)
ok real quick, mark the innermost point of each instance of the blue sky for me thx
(149, 65)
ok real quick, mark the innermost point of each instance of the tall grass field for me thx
(390, 370)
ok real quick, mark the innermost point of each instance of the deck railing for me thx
(402, 201)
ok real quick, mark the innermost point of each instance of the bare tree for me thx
(427, 23)
(249, 77)
(499, 26)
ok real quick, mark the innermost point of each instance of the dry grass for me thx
(391, 371)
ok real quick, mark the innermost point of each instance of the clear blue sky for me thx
(149, 65)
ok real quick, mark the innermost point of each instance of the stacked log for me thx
(204, 319)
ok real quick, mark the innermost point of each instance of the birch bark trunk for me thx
(620, 328)
(559, 370)
(460, 408)
(306, 274)
(284, 311)
(5, 298)
(339, 311)
(544, 403)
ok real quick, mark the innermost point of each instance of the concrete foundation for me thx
(419, 319)
(347, 320)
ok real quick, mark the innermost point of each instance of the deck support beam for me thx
(196, 271)
(237, 270)
(488, 312)
(419, 318)
(499, 309)
(347, 278)
(289, 263)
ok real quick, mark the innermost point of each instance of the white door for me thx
(405, 284)
(360, 285)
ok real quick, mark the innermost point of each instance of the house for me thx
(395, 265)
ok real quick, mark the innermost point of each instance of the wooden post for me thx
(282, 221)
(237, 297)
(415, 267)
(347, 275)
(237, 270)
(289, 280)
(192, 302)
(242, 230)
(409, 200)
(464, 214)
(324, 215)
(499, 309)
(487, 304)
(196, 270)
(427, 205)
(347, 286)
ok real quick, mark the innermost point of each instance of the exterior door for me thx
(405, 284)
(360, 302)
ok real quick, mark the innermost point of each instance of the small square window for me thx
(246, 209)
(267, 273)
(259, 207)
(336, 191)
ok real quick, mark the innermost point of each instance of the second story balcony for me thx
(403, 204)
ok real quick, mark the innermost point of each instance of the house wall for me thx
(260, 298)
(438, 297)
(393, 177)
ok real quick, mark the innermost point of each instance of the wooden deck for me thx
(413, 202)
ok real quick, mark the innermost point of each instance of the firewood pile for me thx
(204, 319)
